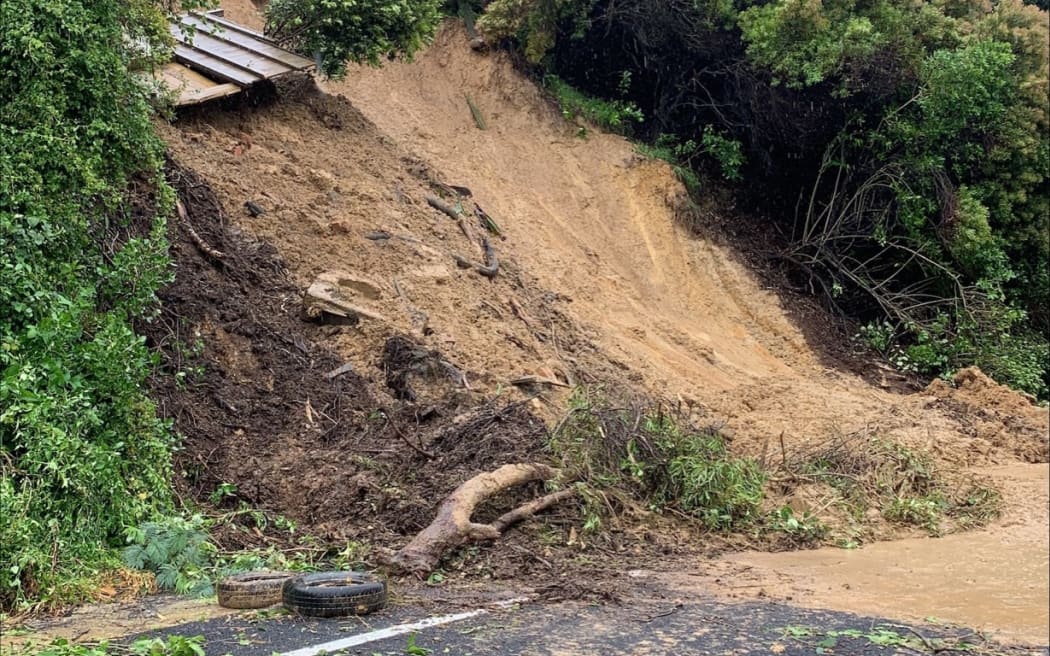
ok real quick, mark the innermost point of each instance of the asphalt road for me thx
(701, 626)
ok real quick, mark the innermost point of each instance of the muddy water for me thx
(996, 579)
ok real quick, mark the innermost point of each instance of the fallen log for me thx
(452, 527)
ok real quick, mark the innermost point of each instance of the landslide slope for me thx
(598, 282)
(594, 222)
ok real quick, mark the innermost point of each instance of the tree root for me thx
(452, 526)
(204, 247)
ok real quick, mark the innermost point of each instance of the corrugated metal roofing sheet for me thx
(229, 52)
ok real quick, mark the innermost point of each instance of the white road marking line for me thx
(392, 631)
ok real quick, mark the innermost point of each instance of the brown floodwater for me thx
(995, 579)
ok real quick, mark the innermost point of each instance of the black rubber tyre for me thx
(251, 589)
(334, 594)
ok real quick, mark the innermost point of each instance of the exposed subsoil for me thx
(598, 284)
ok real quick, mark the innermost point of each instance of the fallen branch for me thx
(452, 527)
(415, 447)
(339, 371)
(441, 205)
(487, 221)
(184, 218)
(453, 212)
(491, 266)
(538, 380)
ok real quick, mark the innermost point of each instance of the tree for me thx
(336, 32)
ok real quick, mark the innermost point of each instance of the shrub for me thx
(340, 31)
(614, 116)
(646, 456)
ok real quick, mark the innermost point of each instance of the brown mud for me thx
(599, 284)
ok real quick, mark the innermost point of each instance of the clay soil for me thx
(599, 284)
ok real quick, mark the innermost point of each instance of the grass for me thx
(900, 482)
(632, 457)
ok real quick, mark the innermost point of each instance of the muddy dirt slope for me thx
(597, 278)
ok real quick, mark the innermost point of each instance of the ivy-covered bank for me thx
(83, 453)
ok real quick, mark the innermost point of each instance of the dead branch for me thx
(184, 218)
(506, 520)
(415, 447)
(452, 527)
(538, 380)
(441, 205)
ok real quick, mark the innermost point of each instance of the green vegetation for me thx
(83, 454)
(632, 455)
(679, 155)
(336, 32)
(412, 649)
(830, 641)
(903, 152)
(170, 646)
(644, 455)
(83, 207)
(182, 555)
(804, 529)
(867, 472)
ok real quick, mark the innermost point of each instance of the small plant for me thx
(924, 512)
(806, 529)
(879, 335)
(726, 151)
(703, 480)
(679, 154)
(436, 578)
(177, 550)
(412, 649)
(222, 491)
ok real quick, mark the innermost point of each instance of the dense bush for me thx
(903, 147)
(82, 453)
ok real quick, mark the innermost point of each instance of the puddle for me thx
(995, 579)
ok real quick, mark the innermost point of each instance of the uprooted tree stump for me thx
(452, 527)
